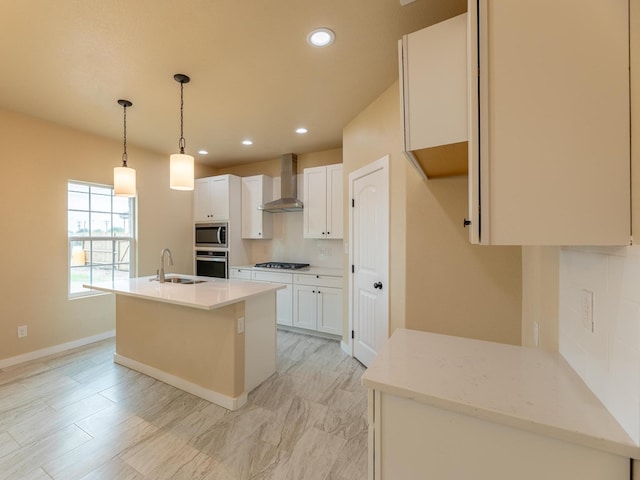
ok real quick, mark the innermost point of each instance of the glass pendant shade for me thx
(124, 182)
(181, 172)
(124, 177)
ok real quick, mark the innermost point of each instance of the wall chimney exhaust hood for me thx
(288, 188)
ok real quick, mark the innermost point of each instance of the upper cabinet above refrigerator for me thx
(433, 92)
(549, 138)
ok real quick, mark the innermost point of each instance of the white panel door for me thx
(315, 202)
(202, 200)
(284, 302)
(330, 310)
(220, 198)
(304, 306)
(251, 199)
(369, 223)
(335, 205)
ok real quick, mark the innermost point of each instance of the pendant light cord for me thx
(124, 154)
(182, 142)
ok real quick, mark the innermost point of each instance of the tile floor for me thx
(78, 415)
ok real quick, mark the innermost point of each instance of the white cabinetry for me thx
(433, 92)
(317, 303)
(322, 214)
(240, 273)
(284, 297)
(549, 141)
(256, 190)
(212, 197)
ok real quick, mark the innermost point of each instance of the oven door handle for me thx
(211, 259)
(219, 238)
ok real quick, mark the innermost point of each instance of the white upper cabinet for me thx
(212, 195)
(549, 141)
(433, 92)
(256, 190)
(323, 202)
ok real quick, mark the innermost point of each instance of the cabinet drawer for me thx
(318, 280)
(277, 277)
(241, 273)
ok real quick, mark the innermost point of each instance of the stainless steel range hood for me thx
(288, 187)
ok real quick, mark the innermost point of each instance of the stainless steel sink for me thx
(178, 279)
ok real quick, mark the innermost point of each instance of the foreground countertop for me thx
(525, 388)
(332, 272)
(212, 293)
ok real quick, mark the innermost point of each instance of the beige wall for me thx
(38, 158)
(439, 282)
(541, 266)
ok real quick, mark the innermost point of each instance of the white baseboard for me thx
(346, 348)
(230, 403)
(26, 357)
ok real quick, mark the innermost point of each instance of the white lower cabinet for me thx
(284, 297)
(317, 303)
(309, 301)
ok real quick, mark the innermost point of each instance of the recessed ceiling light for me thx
(247, 142)
(321, 37)
(301, 130)
(203, 152)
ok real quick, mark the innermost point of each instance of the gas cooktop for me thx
(282, 265)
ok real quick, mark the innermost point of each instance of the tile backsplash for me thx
(603, 346)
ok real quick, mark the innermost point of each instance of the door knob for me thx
(378, 285)
(466, 223)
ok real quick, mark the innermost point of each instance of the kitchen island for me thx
(213, 338)
(449, 408)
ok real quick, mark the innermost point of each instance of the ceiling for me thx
(253, 75)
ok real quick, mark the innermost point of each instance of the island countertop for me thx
(212, 293)
(526, 388)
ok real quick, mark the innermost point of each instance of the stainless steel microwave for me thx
(211, 235)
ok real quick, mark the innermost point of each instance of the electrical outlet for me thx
(240, 325)
(586, 310)
(22, 331)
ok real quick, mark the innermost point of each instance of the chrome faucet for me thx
(161, 271)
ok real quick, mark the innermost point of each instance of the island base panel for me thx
(201, 347)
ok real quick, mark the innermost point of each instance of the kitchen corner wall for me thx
(605, 352)
(38, 159)
(439, 282)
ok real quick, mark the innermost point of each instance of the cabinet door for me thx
(334, 201)
(202, 200)
(330, 310)
(284, 301)
(304, 306)
(315, 202)
(243, 274)
(256, 224)
(433, 89)
(549, 139)
(220, 198)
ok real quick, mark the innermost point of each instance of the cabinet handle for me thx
(317, 276)
(323, 233)
(466, 223)
(328, 233)
(313, 291)
(259, 233)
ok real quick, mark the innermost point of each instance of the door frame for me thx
(380, 164)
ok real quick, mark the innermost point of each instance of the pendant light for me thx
(181, 165)
(124, 177)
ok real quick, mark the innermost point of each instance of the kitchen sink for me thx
(177, 279)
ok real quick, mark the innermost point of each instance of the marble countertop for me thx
(212, 293)
(333, 272)
(526, 388)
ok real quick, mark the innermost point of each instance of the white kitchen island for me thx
(215, 339)
(455, 408)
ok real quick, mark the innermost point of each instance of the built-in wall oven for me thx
(211, 235)
(212, 263)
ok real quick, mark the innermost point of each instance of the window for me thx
(101, 236)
